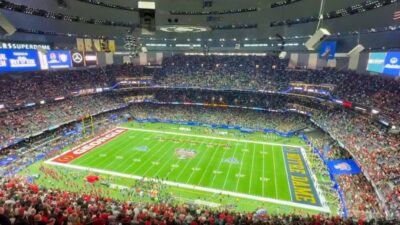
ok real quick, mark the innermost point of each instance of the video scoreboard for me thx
(387, 63)
(33, 60)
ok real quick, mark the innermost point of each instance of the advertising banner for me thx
(77, 59)
(392, 64)
(88, 45)
(348, 166)
(55, 60)
(96, 44)
(384, 62)
(90, 58)
(111, 45)
(80, 45)
(19, 60)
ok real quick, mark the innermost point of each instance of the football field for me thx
(202, 159)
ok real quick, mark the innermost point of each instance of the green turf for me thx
(261, 171)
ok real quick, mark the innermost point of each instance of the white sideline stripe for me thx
(315, 180)
(194, 187)
(209, 137)
(87, 142)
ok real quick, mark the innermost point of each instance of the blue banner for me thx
(327, 50)
(19, 60)
(392, 64)
(71, 132)
(216, 126)
(348, 166)
(8, 160)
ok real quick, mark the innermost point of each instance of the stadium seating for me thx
(369, 144)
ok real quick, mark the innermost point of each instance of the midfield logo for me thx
(185, 153)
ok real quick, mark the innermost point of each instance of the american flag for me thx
(396, 15)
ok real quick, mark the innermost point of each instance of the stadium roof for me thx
(218, 24)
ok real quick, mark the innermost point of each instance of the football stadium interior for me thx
(199, 112)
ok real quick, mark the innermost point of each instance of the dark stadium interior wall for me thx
(311, 61)
(78, 8)
(342, 63)
(43, 24)
(361, 21)
(362, 63)
(128, 3)
(331, 5)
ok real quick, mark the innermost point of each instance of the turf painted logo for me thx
(142, 149)
(185, 153)
(343, 166)
(88, 146)
(232, 160)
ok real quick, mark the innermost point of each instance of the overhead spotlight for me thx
(356, 50)
(282, 55)
(319, 36)
(6, 28)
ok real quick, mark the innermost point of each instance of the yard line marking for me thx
(181, 145)
(273, 160)
(122, 150)
(230, 166)
(210, 137)
(145, 163)
(166, 152)
(198, 188)
(287, 175)
(89, 160)
(139, 153)
(219, 166)
(252, 167)
(201, 159)
(184, 168)
(208, 165)
(240, 170)
(263, 171)
(87, 146)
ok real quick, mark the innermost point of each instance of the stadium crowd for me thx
(219, 72)
(19, 124)
(247, 118)
(376, 151)
(270, 73)
(240, 117)
(26, 204)
(18, 89)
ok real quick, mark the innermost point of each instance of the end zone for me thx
(86, 147)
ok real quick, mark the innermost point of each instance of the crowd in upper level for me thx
(220, 72)
(370, 145)
(362, 203)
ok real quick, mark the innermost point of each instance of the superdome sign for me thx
(384, 62)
